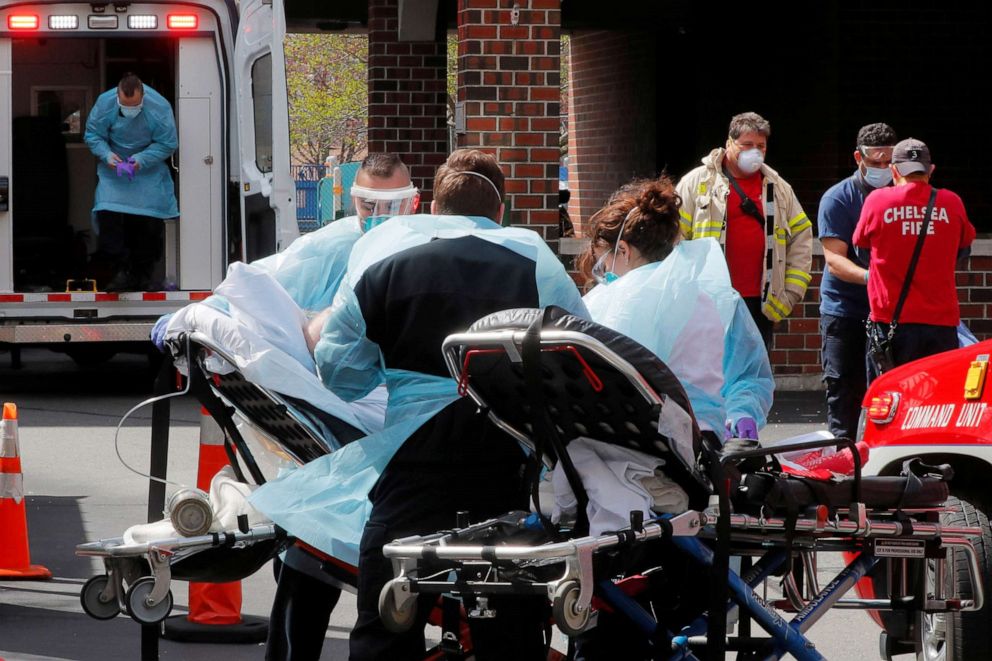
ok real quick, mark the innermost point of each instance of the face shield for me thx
(376, 205)
(600, 273)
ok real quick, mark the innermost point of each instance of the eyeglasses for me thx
(745, 146)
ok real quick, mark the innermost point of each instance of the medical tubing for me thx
(117, 448)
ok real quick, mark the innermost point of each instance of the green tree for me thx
(327, 85)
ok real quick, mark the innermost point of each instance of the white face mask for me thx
(877, 177)
(750, 161)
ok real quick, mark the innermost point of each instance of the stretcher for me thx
(548, 379)
(280, 429)
(263, 431)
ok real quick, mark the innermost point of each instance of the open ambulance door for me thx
(6, 226)
(268, 208)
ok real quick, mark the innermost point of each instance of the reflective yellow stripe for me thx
(799, 223)
(799, 274)
(707, 235)
(775, 315)
(777, 306)
(711, 225)
(796, 281)
(685, 215)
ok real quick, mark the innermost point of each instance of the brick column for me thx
(508, 81)
(612, 115)
(407, 96)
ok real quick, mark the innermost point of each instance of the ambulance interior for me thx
(55, 82)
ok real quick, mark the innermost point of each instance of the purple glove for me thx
(126, 167)
(158, 331)
(746, 427)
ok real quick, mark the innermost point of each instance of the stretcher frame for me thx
(149, 565)
(854, 528)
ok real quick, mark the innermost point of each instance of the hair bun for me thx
(657, 198)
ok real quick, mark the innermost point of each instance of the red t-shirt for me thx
(746, 239)
(890, 222)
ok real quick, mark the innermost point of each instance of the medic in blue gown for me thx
(411, 282)
(676, 299)
(132, 131)
(310, 269)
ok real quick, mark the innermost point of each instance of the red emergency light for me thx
(182, 21)
(23, 22)
(883, 408)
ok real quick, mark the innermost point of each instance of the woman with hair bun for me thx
(676, 299)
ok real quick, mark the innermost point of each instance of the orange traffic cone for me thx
(15, 558)
(214, 608)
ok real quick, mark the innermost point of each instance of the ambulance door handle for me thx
(4, 193)
(208, 159)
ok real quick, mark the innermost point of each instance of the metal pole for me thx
(159, 457)
(158, 462)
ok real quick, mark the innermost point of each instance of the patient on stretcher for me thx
(266, 334)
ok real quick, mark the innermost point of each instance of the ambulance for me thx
(939, 409)
(221, 66)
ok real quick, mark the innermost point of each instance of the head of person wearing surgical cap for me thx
(470, 183)
(639, 225)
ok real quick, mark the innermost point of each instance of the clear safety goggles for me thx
(876, 154)
(384, 202)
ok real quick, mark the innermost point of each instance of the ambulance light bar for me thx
(22, 22)
(182, 21)
(142, 22)
(63, 22)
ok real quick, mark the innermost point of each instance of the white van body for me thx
(215, 62)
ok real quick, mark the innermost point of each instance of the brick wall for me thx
(508, 83)
(611, 111)
(407, 96)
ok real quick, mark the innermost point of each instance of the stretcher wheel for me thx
(568, 618)
(93, 602)
(138, 607)
(394, 618)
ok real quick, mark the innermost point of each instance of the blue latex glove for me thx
(745, 427)
(158, 331)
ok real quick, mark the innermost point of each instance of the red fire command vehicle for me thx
(938, 408)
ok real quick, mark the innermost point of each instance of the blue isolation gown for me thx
(311, 268)
(685, 311)
(150, 138)
(325, 503)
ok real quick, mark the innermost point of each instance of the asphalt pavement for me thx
(78, 490)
